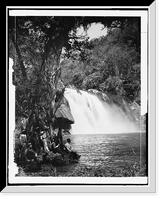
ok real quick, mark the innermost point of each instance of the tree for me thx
(38, 42)
(112, 63)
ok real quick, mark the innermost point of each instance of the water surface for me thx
(107, 150)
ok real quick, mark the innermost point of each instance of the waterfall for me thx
(94, 116)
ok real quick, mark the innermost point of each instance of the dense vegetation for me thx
(110, 64)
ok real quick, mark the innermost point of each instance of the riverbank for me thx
(88, 171)
(106, 155)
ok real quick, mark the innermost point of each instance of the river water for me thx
(107, 150)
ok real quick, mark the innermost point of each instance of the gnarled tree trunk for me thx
(53, 52)
(19, 57)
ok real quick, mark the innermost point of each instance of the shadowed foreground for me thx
(102, 155)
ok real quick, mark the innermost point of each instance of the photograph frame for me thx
(110, 188)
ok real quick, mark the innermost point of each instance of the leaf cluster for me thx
(111, 64)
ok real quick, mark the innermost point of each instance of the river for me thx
(107, 151)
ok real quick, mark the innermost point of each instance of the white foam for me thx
(95, 116)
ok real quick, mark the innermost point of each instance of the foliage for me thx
(109, 64)
(112, 64)
(89, 171)
(100, 171)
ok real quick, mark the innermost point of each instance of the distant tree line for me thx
(110, 64)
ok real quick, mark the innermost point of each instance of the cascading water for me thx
(94, 116)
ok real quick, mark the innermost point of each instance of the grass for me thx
(88, 171)
(45, 170)
(99, 171)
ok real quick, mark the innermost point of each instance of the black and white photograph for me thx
(78, 96)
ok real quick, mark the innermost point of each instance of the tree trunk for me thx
(55, 79)
(51, 63)
(19, 57)
(60, 138)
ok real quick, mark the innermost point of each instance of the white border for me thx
(101, 188)
(76, 13)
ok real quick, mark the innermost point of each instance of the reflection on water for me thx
(107, 150)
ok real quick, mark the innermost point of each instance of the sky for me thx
(96, 30)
